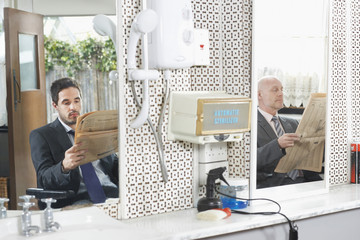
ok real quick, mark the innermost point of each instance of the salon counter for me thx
(332, 215)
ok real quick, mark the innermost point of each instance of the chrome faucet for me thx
(26, 227)
(49, 216)
(3, 213)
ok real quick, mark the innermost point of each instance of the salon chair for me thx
(40, 193)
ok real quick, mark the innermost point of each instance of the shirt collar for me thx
(267, 115)
(67, 128)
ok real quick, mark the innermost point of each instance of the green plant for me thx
(88, 53)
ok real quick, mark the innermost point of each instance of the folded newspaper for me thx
(307, 154)
(98, 133)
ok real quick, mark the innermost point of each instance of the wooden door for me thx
(26, 96)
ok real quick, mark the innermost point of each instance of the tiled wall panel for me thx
(337, 89)
(236, 24)
(146, 193)
(230, 70)
(355, 69)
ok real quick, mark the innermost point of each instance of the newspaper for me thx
(307, 154)
(98, 133)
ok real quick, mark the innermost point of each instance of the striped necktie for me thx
(278, 127)
(91, 180)
(293, 174)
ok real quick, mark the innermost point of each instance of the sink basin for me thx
(89, 223)
(14, 213)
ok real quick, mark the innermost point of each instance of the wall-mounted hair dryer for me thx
(105, 27)
(172, 44)
(168, 25)
(145, 22)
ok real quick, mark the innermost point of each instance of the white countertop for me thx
(183, 224)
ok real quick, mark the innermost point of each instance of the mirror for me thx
(290, 41)
(99, 92)
(98, 130)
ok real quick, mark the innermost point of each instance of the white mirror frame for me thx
(123, 211)
(295, 190)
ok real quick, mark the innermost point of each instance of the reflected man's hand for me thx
(73, 157)
(288, 140)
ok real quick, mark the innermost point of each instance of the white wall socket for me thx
(202, 47)
(213, 152)
(211, 156)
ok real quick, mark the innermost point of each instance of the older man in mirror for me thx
(275, 135)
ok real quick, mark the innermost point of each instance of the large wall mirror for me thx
(290, 41)
(64, 28)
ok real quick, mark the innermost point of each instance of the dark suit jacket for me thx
(48, 146)
(269, 154)
(269, 151)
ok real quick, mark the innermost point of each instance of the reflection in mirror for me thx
(74, 50)
(27, 59)
(82, 60)
(77, 83)
(290, 44)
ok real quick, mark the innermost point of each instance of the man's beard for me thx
(69, 122)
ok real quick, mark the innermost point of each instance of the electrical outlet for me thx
(202, 46)
(213, 152)
(211, 155)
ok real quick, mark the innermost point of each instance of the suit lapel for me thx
(265, 126)
(61, 134)
(286, 125)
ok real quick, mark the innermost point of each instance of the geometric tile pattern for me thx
(339, 148)
(229, 70)
(236, 71)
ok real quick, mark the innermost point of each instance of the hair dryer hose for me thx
(142, 116)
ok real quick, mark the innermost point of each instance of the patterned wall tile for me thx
(146, 192)
(355, 69)
(229, 70)
(236, 64)
(337, 89)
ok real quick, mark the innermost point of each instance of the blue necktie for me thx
(92, 183)
(293, 174)
(91, 180)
